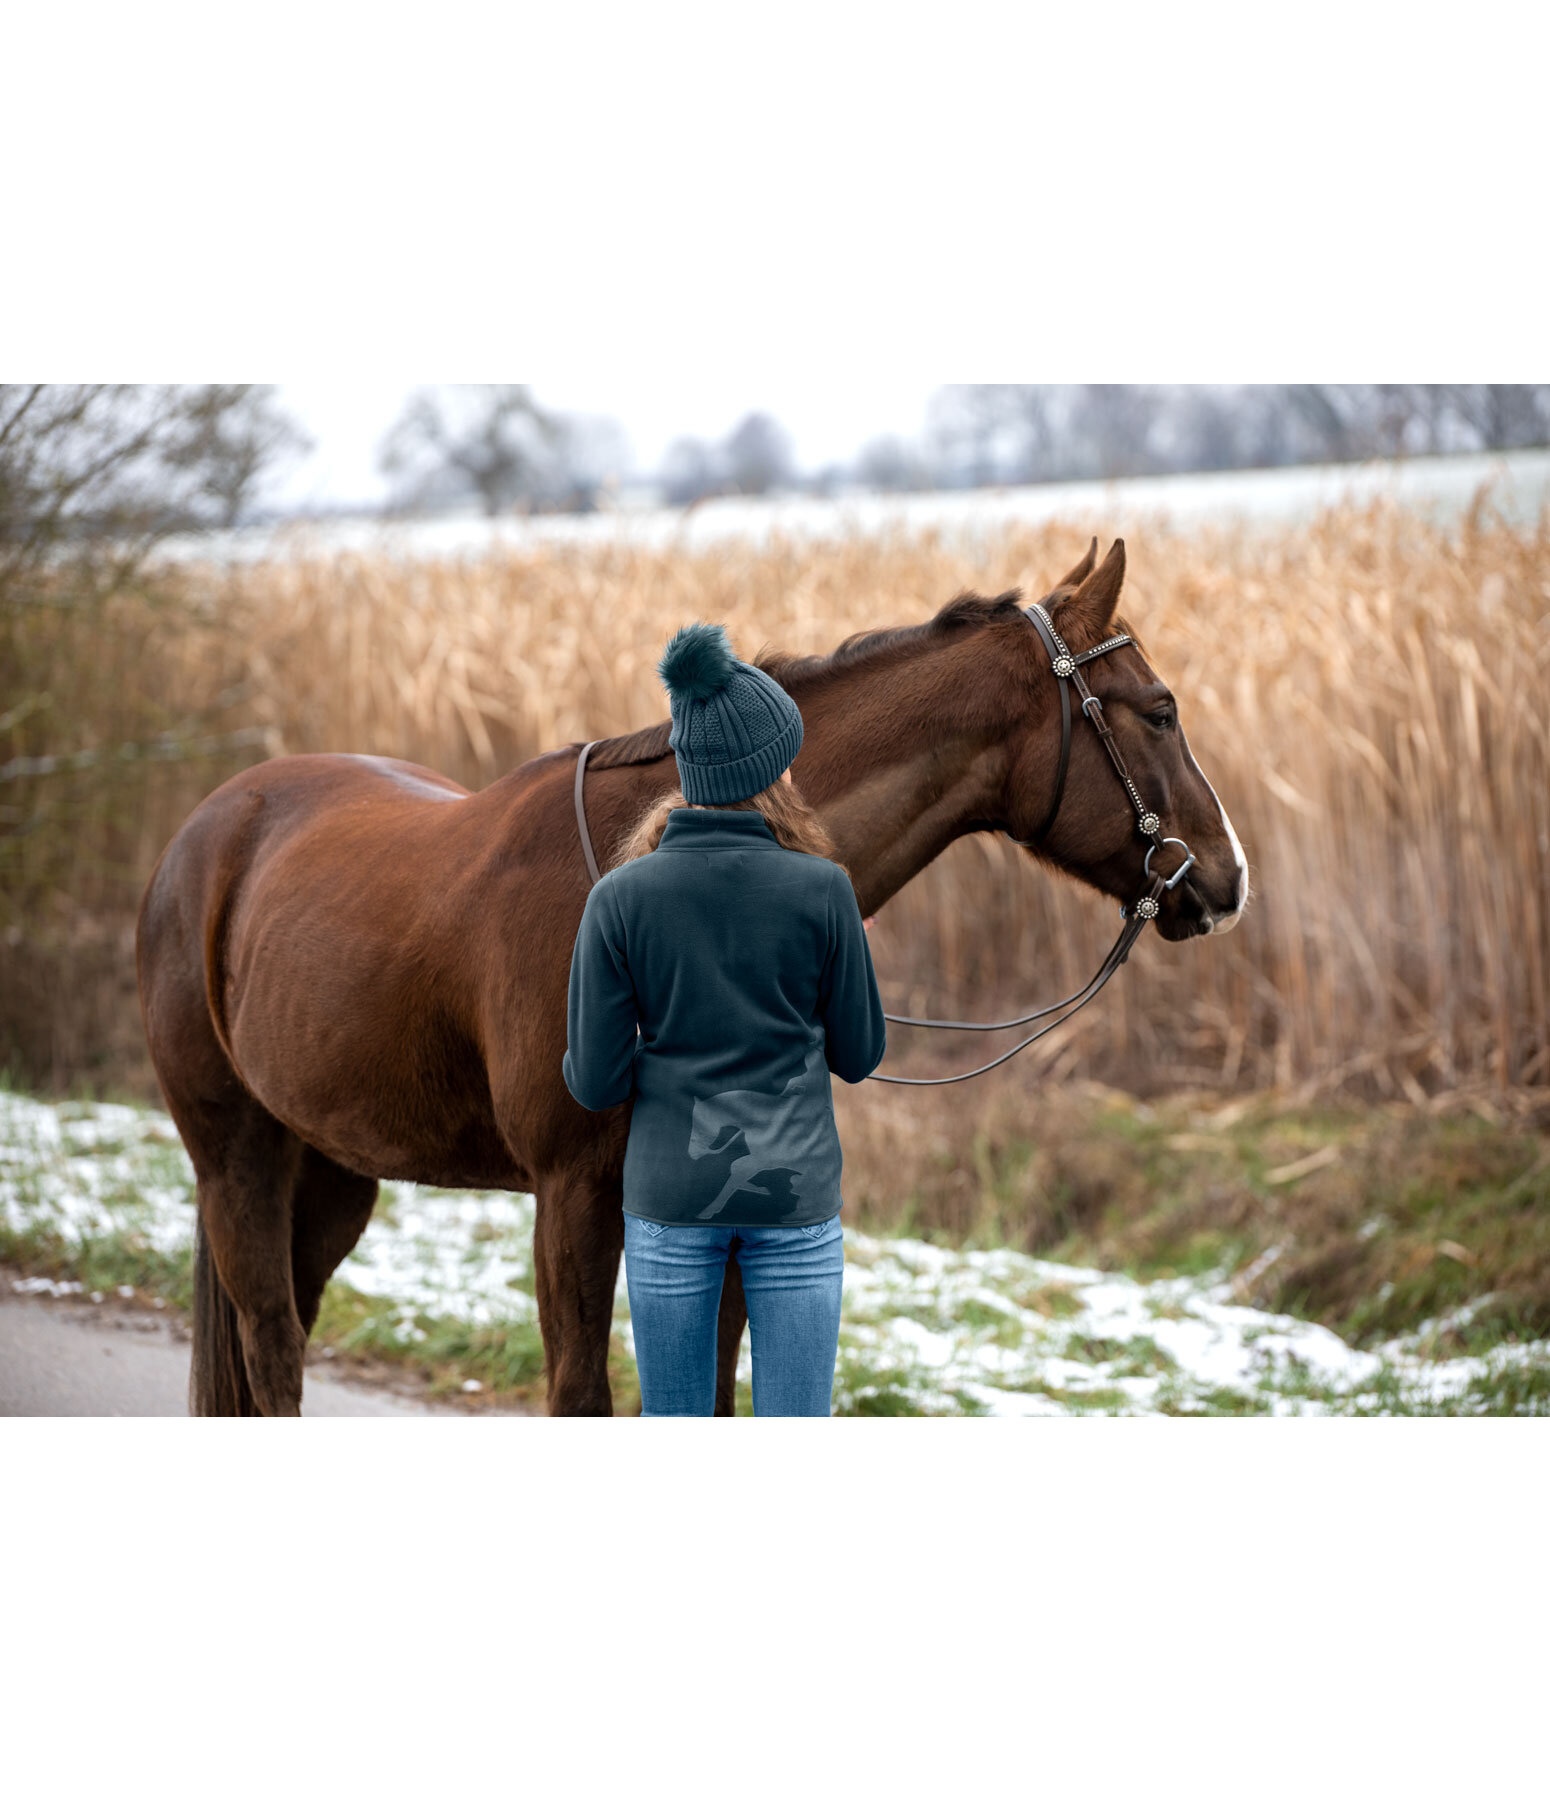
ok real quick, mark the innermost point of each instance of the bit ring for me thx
(1179, 873)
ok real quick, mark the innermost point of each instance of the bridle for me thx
(1068, 673)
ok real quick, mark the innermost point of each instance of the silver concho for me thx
(1149, 823)
(1147, 908)
(1064, 667)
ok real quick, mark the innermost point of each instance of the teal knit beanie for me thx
(734, 729)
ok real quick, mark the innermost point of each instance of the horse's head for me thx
(1093, 832)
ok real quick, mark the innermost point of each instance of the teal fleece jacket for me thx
(717, 982)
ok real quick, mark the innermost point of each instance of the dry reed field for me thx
(1368, 694)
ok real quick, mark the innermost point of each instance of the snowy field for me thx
(926, 1330)
(1518, 483)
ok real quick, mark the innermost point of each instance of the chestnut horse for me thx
(353, 969)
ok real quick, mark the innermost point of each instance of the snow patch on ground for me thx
(1019, 1335)
(925, 1329)
(462, 1256)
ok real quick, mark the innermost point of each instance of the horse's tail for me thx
(218, 1374)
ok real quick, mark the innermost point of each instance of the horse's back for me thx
(291, 790)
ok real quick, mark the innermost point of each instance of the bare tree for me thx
(982, 433)
(491, 442)
(93, 481)
(892, 465)
(754, 458)
(1501, 415)
(1007, 431)
(692, 470)
(592, 458)
(1111, 426)
(1202, 428)
(758, 455)
(232, 437)
(102, 473)
(1419, 418)
(495, 444)
(1326, 418)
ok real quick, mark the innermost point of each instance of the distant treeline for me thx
(498, 446)
(990, 434)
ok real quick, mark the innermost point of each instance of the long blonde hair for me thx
(795, 825)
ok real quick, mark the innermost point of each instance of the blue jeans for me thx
(792, 1276)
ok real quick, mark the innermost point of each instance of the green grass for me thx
(1417, 1216)
(507, 1359)
(103, 1264)
(861, 1393)
(1214, 1403)
(1124, 1358)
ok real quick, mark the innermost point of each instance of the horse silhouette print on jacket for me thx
(750, 1138)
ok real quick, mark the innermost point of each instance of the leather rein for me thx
(1067, 669)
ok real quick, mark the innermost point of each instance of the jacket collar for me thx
(716, 827)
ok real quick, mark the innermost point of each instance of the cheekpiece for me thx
(1149, 824)
(1065, 667)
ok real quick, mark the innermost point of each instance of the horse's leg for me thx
(328, 1214)
(577, 1240)
(247, 1338)
(243, 1263)
(730, 1323)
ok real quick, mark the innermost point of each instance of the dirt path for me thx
(66, 1357)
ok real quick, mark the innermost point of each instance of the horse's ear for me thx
(1091, 608)
(1083, 569)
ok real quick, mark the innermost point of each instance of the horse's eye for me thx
(1164, 718)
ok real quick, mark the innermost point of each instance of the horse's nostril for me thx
(1226, 921)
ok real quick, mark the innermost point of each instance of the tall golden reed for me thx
(1370, 694)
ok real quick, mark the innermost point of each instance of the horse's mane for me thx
(649, 744)
(967, 612)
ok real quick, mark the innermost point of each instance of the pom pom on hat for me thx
(697, 662)
(734, 728)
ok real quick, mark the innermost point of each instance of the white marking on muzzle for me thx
(1224, 921)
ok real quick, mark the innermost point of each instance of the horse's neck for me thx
(894, 770)
(892, 804)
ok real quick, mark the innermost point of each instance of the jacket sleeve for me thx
(849, 1003)
(601, 1023)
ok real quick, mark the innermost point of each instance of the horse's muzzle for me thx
(1186, 913)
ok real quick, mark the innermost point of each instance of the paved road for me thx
(66, 1357)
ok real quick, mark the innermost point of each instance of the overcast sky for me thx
(829, 420)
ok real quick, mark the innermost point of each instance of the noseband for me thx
(1068, 674)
